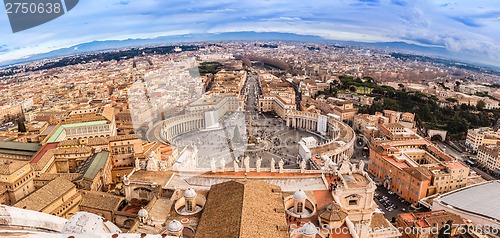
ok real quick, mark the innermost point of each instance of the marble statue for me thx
(222, 164)
(273, 165)
(246, 161)
(361, 166)
(125, 180)
(152, 164)
(163, 165)
(258, 163)
(212, 165)
(345, 167)
(236, 166)
(303, 166)
(137, 164)
(327, 164)
(281, 163)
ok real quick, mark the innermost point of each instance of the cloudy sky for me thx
(468, 27)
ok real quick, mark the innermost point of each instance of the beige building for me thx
(16, 180)
(123, 149)
(67, 160)
(397, 132)
(83, 124)
(59, 197)
(277, 96)
(448, 177)
(481, 136)
(255, 206)
(6, 111)
(489, 156)
(343, 108)
(45, 178)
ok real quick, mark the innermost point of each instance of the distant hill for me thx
(119, 44)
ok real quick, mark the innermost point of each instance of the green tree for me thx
(480, 105)
(454, 100)
(445, 231)
(21, 127)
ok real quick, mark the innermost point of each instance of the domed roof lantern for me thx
(309, 229)
(143, 212)
(189, 193)
(175, 226)
(299, 195)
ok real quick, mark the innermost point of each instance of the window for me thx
(189, 206)
(300, 207)
(353, 202)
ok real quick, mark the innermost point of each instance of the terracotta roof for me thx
(10, 166)
(42, 161)
(46, 195)
(42, 152)
(123, 137)
(68, 143)
(97, 141)
(420, 173)
(432, 218)
(379, 221)
(52, 176)
(332, 212)
(72, 150)
(243, 209)
(100, 200)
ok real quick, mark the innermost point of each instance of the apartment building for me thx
(489, 156)
(481, 136)
(16, 180)
(414, 169)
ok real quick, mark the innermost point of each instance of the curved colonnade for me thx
(341, 137)
(182, 124)
(340, 143)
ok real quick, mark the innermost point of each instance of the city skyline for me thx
(466, 30)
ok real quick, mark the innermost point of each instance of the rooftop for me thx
(97, 162)
(243, 209)
(19, 146)
(61, 128)
(47, 194)
(11, 166)
(100, 200)
(42, 152)
(466, 199)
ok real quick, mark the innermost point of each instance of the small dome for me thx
(85, 223)
(142, 213)
(190, 193)
(299, 195)
(175, 226)
(309, 229)
(332, 212)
